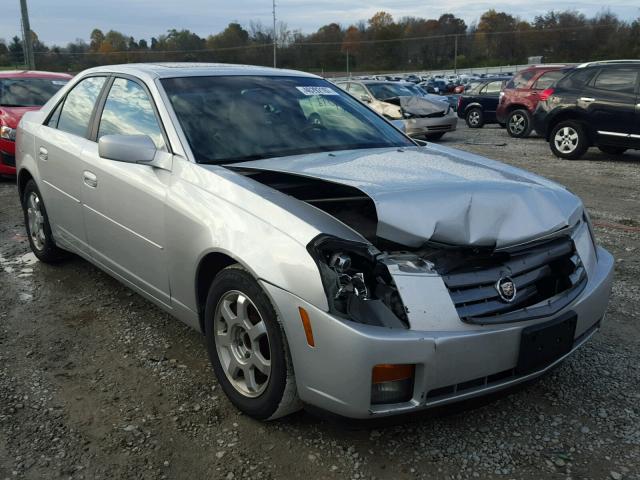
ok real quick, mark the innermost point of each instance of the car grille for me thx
(547, 278)
(7, 159)
(439, 128)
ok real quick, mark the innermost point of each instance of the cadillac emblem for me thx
(506, 289)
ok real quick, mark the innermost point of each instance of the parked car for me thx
(339, 265)
(421, 116)
(594, 105)
(479, 104)
(21, 92)
(520, 96)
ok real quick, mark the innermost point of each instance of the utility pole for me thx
(455, 56)
(275, 35)
(348, 72)
(27, 43)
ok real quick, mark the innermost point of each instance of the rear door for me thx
(59, 146)
(610, 100)
(124, 203)
(489, 96)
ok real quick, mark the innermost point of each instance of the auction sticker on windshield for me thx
(310, 91)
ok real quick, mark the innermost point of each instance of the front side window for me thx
(78, 106)
(28, 92)
(621, 80)
(237, 118)
(357, 91)
(128, 111)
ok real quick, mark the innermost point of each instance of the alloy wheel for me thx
(517, 123)
(36, 221)
(242, 344)
(474, 117)
(566, 140)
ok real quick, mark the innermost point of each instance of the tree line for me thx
(380, 43)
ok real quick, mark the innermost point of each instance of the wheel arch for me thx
(574, 115)
(209, 266)
(24, 176)
(517, 106)
(472, 105)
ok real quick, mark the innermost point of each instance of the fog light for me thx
(392, 384)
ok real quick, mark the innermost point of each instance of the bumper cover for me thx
(7, 157)
(425, 126)
(335, 375)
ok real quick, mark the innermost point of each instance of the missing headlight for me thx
(358, 286)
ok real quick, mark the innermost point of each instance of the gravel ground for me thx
(95, 382)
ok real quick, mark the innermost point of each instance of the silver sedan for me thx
(328, 259)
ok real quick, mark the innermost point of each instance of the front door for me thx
(59, 146)
(124, 203)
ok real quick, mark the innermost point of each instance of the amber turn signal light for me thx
(391, 373)
(306, 324)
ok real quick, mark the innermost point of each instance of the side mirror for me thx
(127, 148)
(365, 98)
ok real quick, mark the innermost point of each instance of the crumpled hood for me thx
(442, 195)
(422, 107)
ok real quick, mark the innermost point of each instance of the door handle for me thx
(90, 179)
(587, 99)
(43, 154)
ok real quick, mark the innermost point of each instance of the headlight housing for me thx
(8, 133)
(358, 285)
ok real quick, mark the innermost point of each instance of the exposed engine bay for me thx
(358, 277)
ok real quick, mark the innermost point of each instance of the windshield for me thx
(28, 92)
(238, 118)
(382, 91)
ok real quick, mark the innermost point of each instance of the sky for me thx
(61, 21)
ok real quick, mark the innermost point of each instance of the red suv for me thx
(520, 97)
(20, 92)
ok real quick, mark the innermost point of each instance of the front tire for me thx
(38, 228)
(247, 347)
(519, 124)
(569, 140)
(474, 118)
(432, 137)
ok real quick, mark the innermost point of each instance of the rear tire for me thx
(474, 118)
(519, 124)
(569, 140)
(247, 347)
(611, 150)
(38, 228)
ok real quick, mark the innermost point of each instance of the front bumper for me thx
(7, 157)
(429, 125)
(335, 375)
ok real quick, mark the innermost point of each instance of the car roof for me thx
(602, 63)
(33, 74)
(188, 69)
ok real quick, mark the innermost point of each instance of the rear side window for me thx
(129, 111)
(623, 80)
(577, 79)
(547, 79)
(520, 80)
(492, 87)
(78, 106)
